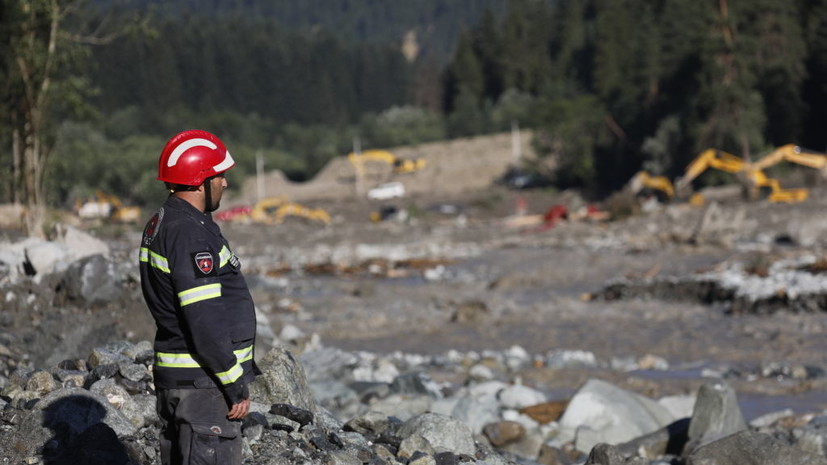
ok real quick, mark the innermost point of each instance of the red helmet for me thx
(193, 156)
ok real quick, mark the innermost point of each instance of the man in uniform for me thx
(205, 318)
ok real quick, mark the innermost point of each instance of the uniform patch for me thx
(204, 264)
(153, 226)
(216, 429)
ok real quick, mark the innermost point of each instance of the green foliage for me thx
(406, 125)
(609, 86)
(575, 130)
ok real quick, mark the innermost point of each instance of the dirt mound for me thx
(452, 168)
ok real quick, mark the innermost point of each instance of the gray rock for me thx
(329, 363)
(103, 356)
(335, 395)
(716, 415)
(325, 419)
(668, 440)
(140, 352)
(145, 407)
(518, 396)
(527, 446)
(71, 378)
(476, 412)
(443, 432)
(371, 422)
(404, 406)
(134, 371)
(300, 416)
(77, 409)
(282, 381)
(44, 257)
(343, 458)
(79, 243)
(415, 383)
(92, 280)
(605, 454)
(413, 444)
(422, 459)
(752, 448)
(812, 440)
(119, 398)
(41, 382)
(600, 412)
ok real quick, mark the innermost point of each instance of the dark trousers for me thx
(195, 429)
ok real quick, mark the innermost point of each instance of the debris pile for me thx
(331, 406)
(793, 285)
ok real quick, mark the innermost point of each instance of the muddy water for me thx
(534, 298)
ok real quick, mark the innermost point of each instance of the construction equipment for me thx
(399, 165)
(750, 174)
(274, 210)
(709, 158)
(777, 194)
(795, 154)
(108, 206)
(642, 180)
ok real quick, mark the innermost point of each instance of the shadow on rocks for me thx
(80, 435)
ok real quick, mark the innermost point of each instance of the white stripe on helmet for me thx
(186, 145)
(225, 164)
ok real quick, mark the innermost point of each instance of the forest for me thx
(607, 86)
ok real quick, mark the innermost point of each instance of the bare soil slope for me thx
(453, 168)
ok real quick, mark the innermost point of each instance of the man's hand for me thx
(239, 410)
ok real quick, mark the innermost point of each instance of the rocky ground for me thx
(658, 303)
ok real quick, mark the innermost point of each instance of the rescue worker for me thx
(205, 318)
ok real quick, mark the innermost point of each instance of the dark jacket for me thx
(192, 284)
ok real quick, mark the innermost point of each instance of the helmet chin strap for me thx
(208, 205)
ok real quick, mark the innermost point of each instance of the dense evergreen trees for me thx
(610, 86)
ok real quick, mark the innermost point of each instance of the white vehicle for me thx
(387, 191)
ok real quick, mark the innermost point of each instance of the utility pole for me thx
(357, 165)
(516, 144)
(259, 176)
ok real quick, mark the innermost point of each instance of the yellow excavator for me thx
(399, 165)
(274, 210)
(642, 180)
(750, 174)
(794, 154)
(108, 206)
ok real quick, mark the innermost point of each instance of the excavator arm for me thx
(643, 180)
(793, 154)
(709, 158)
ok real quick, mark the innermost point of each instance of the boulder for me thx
(716, 415)
(43, 257)
(282, 381)
(80, 244)
(93, 280)
(752, 448)
(600, 412)
(445, 434)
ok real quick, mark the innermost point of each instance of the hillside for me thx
(453, 169)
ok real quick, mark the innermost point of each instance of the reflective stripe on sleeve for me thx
(163, 359)
(231, 375)
(153, 259)
(244, 354)
(224, 256)
(197, 294)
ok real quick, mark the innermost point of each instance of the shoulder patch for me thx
(204, 264)
(153, 226)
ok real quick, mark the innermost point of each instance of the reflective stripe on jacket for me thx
(194, 288)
